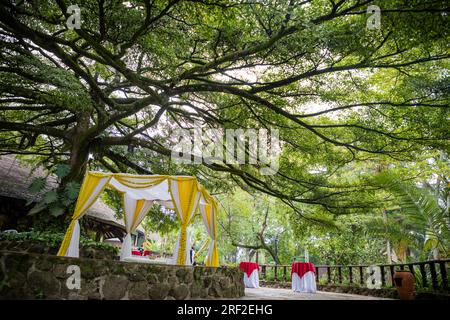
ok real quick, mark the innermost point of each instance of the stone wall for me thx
(38, 276)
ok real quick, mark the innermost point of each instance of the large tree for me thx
(136, 70)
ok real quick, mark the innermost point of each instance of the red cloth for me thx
(146, 253)
(301, 268)
(135, 252)
(248, 267)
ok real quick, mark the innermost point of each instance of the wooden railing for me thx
(429, 274)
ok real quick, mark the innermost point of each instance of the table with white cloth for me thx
(251, 274)
(303, 277)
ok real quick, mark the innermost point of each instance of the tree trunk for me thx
(79, 152)
(388, 243)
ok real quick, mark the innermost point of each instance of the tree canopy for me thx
(110, 94)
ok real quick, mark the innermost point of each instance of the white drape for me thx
(209, 222)
(74, 246)
(73, 249)
(135, 211)
(307, 283)
(253, 280)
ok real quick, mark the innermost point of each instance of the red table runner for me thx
(301, 268)
(248, 267)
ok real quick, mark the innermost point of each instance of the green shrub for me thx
(54, 239)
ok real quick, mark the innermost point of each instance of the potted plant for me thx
(405, 285)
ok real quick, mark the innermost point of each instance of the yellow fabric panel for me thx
(139, 205)
(126, 180)
(66, 241)
(187, 192)
(90, 183)
(181, 259)
(208, 210)
(214, 260)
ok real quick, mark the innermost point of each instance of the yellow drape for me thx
(184, 202)
(139, 182)
(89, 192)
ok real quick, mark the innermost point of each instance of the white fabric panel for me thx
(97, 190)
(253, 280)
(125, 251)
(74, 246)
(209, 226)
(130, 210)
(156, 192)
(305, 284)
(166, 204)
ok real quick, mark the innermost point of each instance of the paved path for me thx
(264, 293)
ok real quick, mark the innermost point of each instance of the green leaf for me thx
(37, 208)
(56, 210)
(72, 190)
(62, 170)
(51, 196)
(37, 185)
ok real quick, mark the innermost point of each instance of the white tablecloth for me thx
(305, 284)
(253, 280)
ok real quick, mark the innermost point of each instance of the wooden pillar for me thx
(392, 270)
(361, 275)
(443, 275)
(350, 274)
(383, 277)
(424, 275)
(434, 279)
(340, 274)
(328, 274)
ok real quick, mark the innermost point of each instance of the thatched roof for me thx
(16, 177)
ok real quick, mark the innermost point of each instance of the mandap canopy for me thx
(180, 193)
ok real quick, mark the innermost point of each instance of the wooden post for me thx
(340, 274)
(443, 275)
(434, 279)
(392, 270)
(424, 275)
(411, 268)
(383, 278)
(284, 273)
(275, 271)
(350, 274)
(263, 272)
(361, 275)
(317, 275)
(328, 274)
